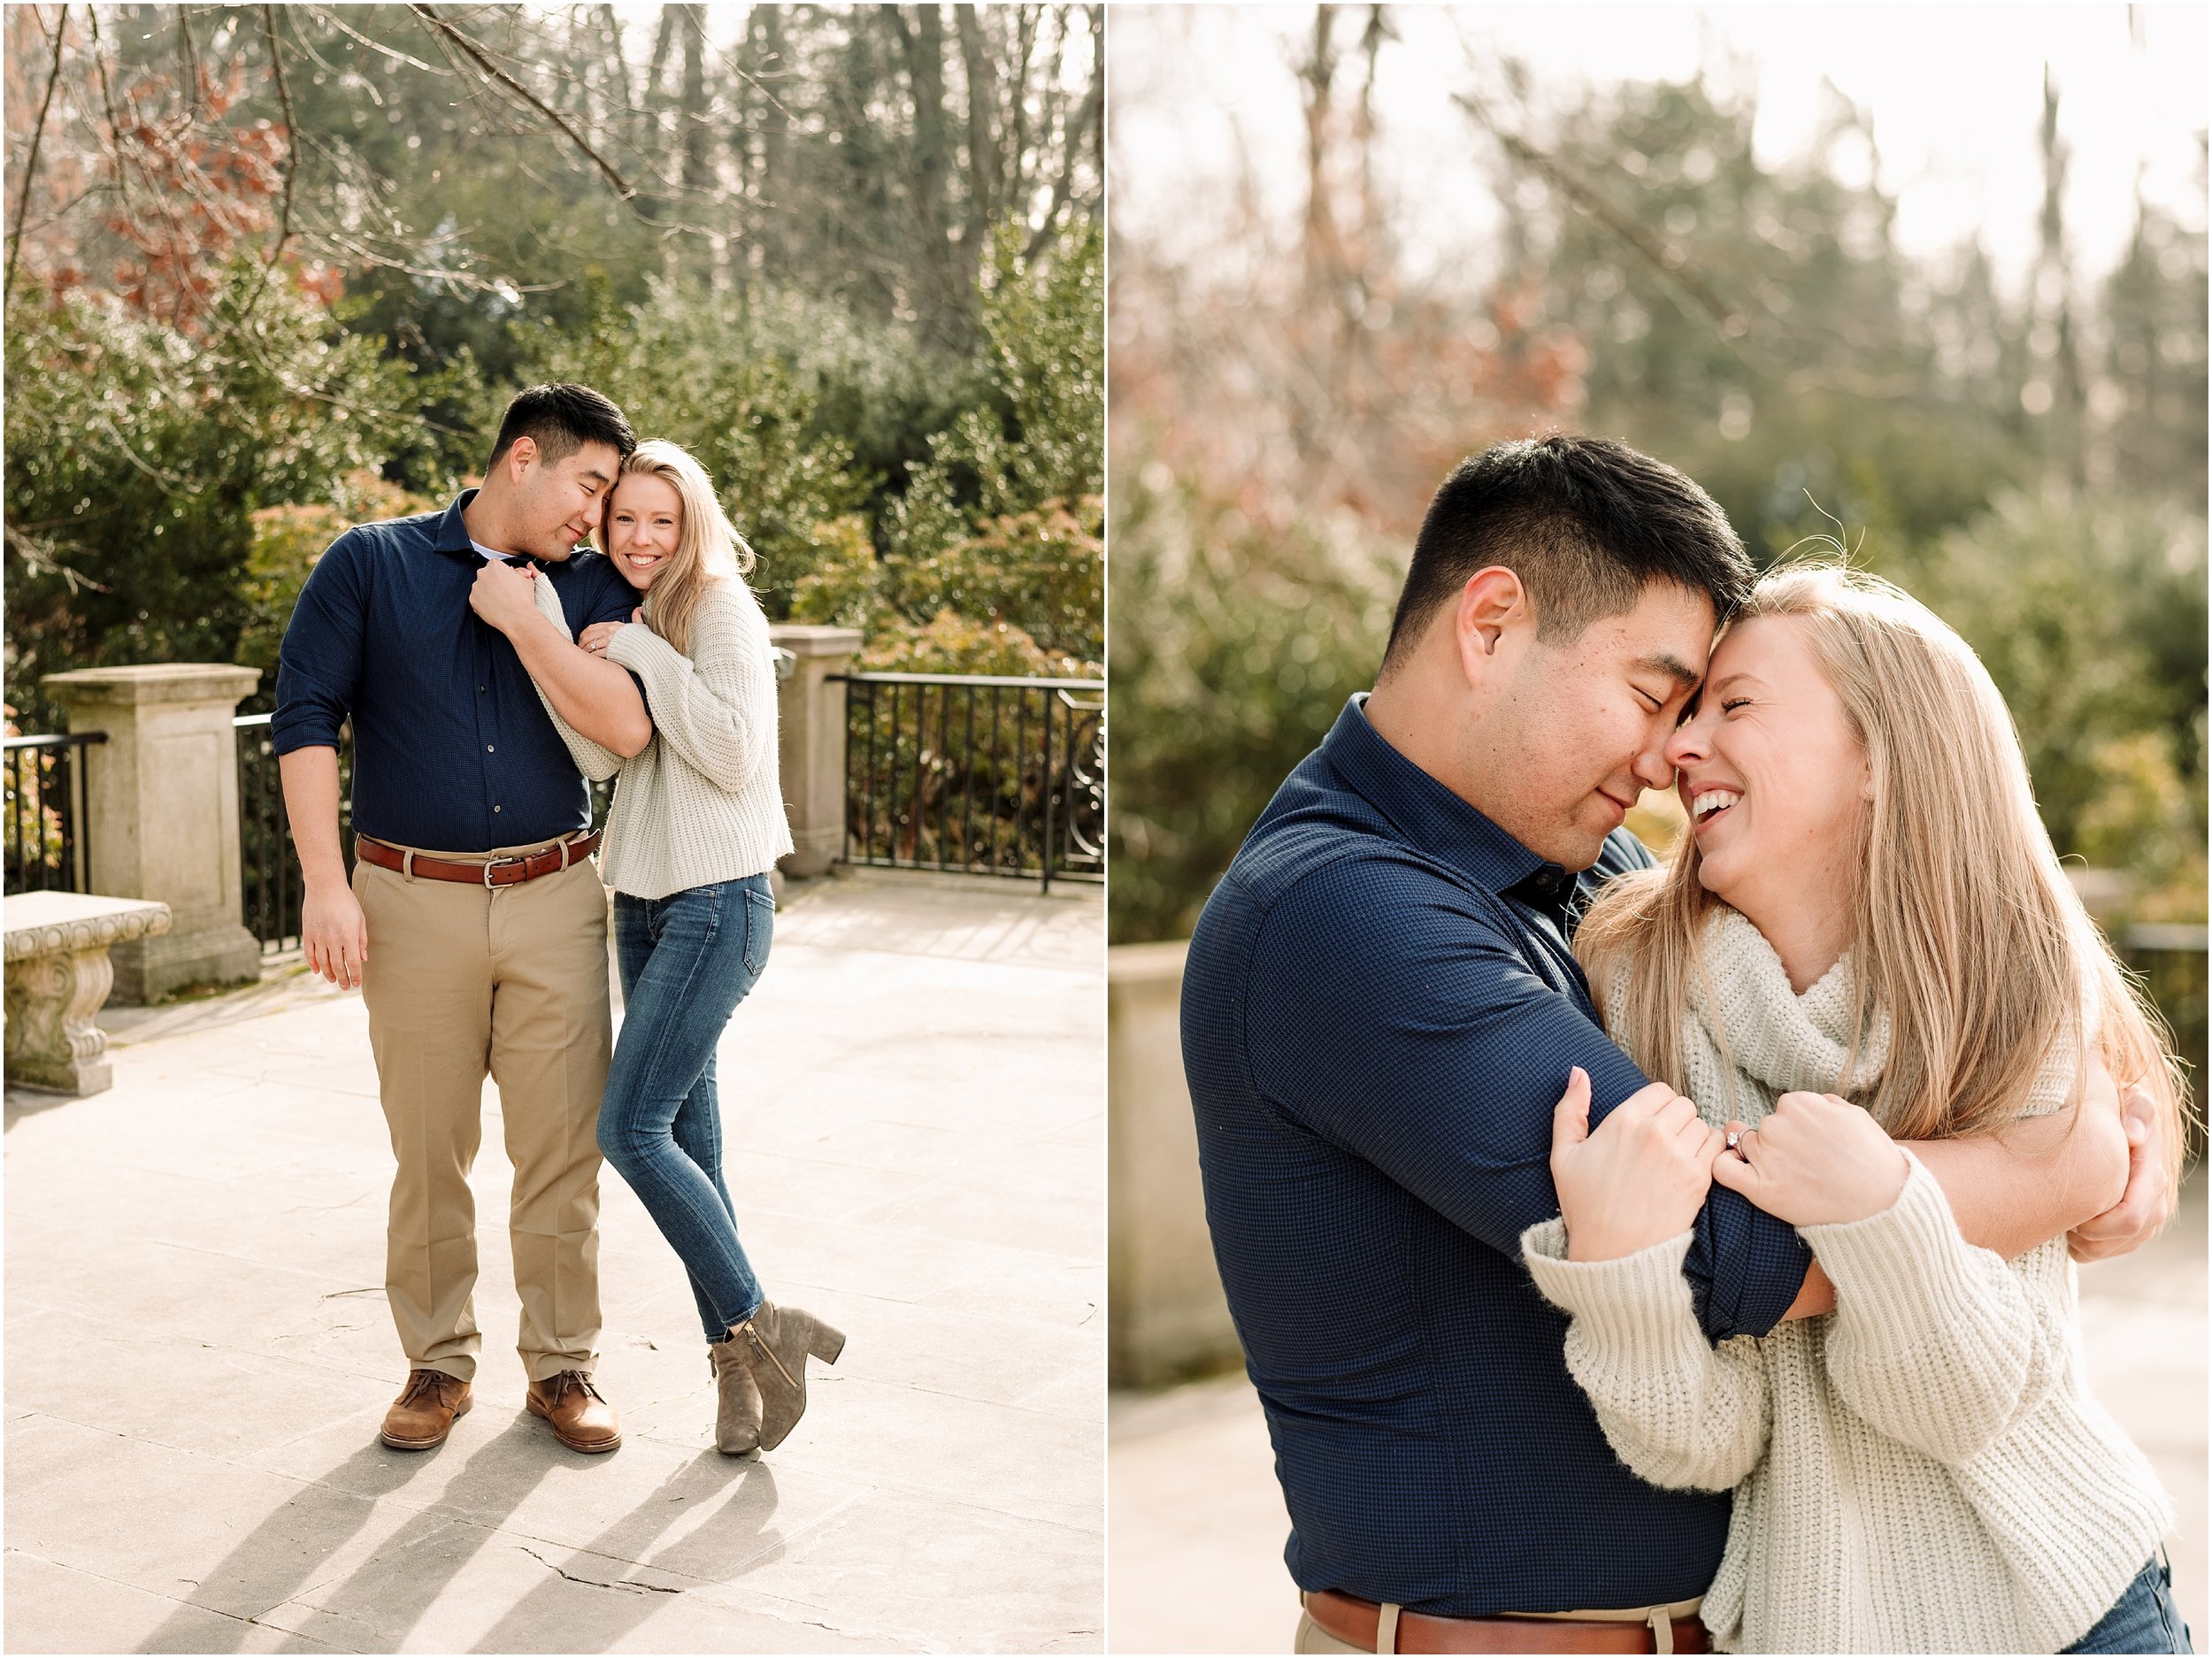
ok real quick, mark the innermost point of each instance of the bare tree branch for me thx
(38, 556)
(324, 15)
(1086, 119)
(291, 140)
(1732, 323)
(107, 102)
(30, 166)
(1668, 261)
(291, 171)
(623, 190)
(188, 59)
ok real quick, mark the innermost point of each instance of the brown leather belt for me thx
(508, 872)
(1357, 1622)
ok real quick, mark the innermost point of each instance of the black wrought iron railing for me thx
(2172, 962)
(44, 778)
(976, 774)
(269, 869)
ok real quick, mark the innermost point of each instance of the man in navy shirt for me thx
(1381, 1013)
(475, 922)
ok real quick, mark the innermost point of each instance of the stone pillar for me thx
(59, 973)
(162, 815)
(810, 743)
(1166, 1317)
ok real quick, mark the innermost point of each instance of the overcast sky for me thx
(1956, 94)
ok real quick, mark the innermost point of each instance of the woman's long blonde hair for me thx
(1965, 933)
(708, 548)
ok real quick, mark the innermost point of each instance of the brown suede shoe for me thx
(775, 1342)
(423, 1414)
(580, 1419)
(737, 1414)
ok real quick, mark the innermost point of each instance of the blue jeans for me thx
(2143, 1619)
(687, 961)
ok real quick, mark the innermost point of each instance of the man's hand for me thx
(1816, 1161)
(502, 595)
(2147, 1205)
(1638, 1180)
(334, 935)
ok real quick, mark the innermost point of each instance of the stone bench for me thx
(58, 974)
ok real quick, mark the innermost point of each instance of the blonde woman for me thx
(1864, 909)
(696, 825)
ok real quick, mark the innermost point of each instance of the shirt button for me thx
(494, 808)
(489, 749)
(479, 688)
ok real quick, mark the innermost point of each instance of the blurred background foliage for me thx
(2029, 460)
(272, 271)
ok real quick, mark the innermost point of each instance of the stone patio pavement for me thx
(198, 1353)
(1197, 1519)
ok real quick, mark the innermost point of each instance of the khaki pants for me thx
(512, 980)
(1313, 1638)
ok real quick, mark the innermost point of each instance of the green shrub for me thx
(138, 455)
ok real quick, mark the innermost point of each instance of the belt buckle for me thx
(492, 863)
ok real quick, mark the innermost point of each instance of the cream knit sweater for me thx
(1924, 1470)
(700, 802)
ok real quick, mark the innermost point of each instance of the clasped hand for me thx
(599, 635)
(502, 595)
(1641, 1176)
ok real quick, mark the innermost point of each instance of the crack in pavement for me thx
(627, 1585)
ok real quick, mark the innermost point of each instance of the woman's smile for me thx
(645, 526)
(1707, 804)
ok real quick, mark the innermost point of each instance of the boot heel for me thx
(825, 1343)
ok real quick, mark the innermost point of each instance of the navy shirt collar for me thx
(1435, 820)
(453, 534)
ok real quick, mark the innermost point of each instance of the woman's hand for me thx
(503, 595)
(1817, 1161)
(596, 638)
(1638, 1180)
(2146, 1205)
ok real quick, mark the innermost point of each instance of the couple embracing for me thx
(1630, 1259)
(488, 666)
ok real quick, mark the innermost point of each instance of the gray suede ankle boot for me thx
(737, 1412)
(776, 1341)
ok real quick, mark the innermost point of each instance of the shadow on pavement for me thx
(24, 1103)
(736, 1539)
(282, 1556)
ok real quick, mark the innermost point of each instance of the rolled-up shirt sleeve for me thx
(318, 666)
(1416, 1036)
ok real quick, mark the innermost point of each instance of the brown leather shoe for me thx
(737, 1413)
(580, 1419)
(423, 1414)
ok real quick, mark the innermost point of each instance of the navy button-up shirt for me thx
(452, 751)
(1379, 1013)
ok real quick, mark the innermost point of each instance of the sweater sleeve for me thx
(1678, 1411)
(595, 761)
(1935, 1342)
(716, 707)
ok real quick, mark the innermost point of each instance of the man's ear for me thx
(1493, 607)
(520, 453)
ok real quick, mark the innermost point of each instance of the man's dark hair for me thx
(560, 420)
(1586, 524)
